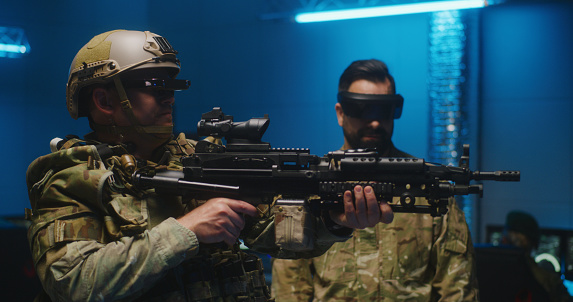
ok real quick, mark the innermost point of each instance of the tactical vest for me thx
(215, 274)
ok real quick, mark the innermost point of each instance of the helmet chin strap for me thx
(136, 127)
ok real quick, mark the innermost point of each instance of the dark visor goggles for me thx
(167, 84)
(371, 106)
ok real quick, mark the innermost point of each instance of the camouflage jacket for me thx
(96, 238)
(414, 258)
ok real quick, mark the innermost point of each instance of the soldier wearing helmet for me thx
(107, 67)
(96, 237)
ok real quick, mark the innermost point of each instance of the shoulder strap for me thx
(57, 144)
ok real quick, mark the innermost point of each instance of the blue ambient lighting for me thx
(388, 10)
(13, 42)
(569, 285)
(13, 48)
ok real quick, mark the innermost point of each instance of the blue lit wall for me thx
(527, 98)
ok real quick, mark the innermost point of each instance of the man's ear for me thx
(102, 100)
(339, 114)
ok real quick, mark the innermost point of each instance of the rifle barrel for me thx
(497, 175)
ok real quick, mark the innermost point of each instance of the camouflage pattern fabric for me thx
(311, 239)
(414, 258)
(95, 238)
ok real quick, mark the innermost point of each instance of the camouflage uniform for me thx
(414, 258)
(96, 238)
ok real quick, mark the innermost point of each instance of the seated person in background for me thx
(522, 231)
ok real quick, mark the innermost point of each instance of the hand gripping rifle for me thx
(250, 170)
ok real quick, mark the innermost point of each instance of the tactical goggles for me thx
(371, 106)
(167, 84)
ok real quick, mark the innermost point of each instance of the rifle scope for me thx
(216, 123)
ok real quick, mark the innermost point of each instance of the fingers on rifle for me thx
(229, 238)
(237, 220)
(372, 206)
(349, 210)
(361, 207)
(226, 229)
(238, 210)
(359, 201)
(387, 215)
(242, 207)
(233, 234)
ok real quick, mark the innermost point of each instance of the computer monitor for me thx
(555, 250)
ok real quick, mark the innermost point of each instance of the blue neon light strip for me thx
(388, 10)
(13, 48)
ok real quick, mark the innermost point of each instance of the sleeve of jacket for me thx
(90, 271)
(454, 259)
(74, 257)
(292, 280)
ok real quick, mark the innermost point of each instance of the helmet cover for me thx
(110, 54)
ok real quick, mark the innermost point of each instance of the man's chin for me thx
(163, 135)
(370, 142)
(380, 144)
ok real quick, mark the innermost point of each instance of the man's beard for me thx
(355, 139)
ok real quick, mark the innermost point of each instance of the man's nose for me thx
(378, 123)
(167, 98)
(375, 124)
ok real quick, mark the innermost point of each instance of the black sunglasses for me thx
(371, 106)
(167, 84)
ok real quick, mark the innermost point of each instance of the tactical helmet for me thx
(108, 55)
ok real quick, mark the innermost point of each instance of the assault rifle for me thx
(249, 169)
